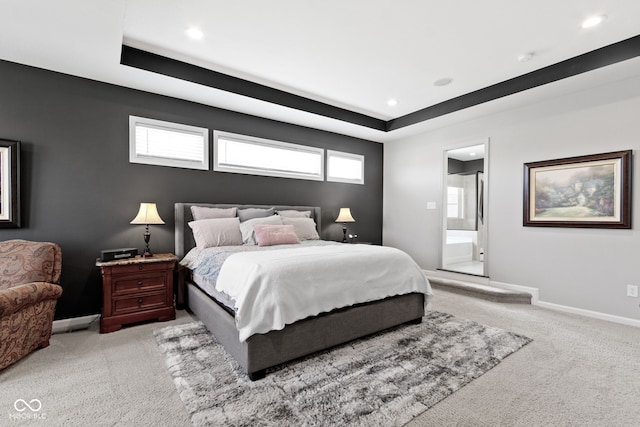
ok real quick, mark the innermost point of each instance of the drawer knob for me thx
(139, 267)
(139, 300)
(139, 282)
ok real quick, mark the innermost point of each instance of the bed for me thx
(256, 352)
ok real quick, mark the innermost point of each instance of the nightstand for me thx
(137, 289)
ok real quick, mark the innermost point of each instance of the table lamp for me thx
(344, 216)
(148, 214)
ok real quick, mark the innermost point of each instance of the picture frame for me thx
(9, 184)
(592, 191)
(480, 198)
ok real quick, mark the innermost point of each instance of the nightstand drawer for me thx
(139, 283)
(139, 303)
(142, 267)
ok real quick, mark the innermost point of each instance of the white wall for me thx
(582, 268)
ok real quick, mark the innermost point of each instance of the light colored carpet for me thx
(383, 380)
(89, 379)
(576, 372)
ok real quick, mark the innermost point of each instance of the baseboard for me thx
(74, 323)
(589, 313)
(535, 300)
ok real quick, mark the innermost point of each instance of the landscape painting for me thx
(586, 191)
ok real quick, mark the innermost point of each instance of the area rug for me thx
(383, 380)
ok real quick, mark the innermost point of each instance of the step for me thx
(481, 291)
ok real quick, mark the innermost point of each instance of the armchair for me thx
(29, 273)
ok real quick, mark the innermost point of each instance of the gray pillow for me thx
(216, 232)
(295, 214)
(305, 228)
(203, 212)
(251, 213)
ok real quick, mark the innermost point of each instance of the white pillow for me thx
(305, 227)
(295, 214)
(216, 232)
(246, 227)
(203, 212)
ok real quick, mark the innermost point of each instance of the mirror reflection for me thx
(465, 237)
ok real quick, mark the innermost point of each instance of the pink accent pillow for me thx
(270, 235)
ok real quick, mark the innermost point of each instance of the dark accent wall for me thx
(80, 191)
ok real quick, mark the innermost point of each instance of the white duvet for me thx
(275, 288)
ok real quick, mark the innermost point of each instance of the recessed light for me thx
(526, 57)
(392, 102)
(593, 21)
(194, 33)
(443, 82)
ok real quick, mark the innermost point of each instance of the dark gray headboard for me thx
(184, 236)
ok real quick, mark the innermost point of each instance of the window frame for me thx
(248, 170)
(458, 203)
(135, 157)
(350, 156)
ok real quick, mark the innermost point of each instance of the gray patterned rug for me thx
(383, 380)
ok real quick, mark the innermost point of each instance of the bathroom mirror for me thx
(464, 248)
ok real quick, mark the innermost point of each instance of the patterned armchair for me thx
(28, 296)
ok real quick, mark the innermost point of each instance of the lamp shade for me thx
(148, 214)
(345, 215)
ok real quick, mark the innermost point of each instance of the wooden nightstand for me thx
(137, 289)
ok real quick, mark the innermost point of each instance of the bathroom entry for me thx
(464, 211)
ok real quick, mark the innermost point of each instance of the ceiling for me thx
(354, 54)
(467, 154)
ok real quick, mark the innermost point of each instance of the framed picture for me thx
(480, 194)
(9, 184)
(586, 191)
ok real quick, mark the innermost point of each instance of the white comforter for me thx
(275, 288)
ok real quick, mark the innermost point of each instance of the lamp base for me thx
(147, 236)
(344, 234)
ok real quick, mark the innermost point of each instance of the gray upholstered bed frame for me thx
(262, 351)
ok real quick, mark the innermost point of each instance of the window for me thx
(154, 142)
(257, 156)
(345, 167)
(455, 199)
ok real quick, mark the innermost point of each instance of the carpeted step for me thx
(481, 291)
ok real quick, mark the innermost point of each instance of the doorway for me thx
(464, 241)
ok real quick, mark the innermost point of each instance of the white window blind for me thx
(257, 156)
(156, 142)
(345, 167)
